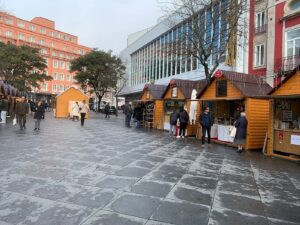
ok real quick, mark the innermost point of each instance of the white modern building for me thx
(146, 61)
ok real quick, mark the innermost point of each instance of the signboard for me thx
(218, 74)
(147, 95)
(174, 92)
(295, 139)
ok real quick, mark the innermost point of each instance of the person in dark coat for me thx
(183, 120)
(128, 114)
(206, 123)
(22, 110)
(38, 115)
(173, 122)
(107, 110)
(138, 115)
(241, 131)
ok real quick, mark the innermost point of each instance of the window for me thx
(52, 34)
(61, 88)
(31, 39)
(260, 19)
(61, 55)
(8, 33)
(59, 36)
(54, 88)
(68, 78)
(44, 87)
(54, 53)
(259, 55)
(21, 37)
(43, 51)
(68, 66)
(55, 64)
(21, 24)
(221, 88)
(174, 92)
(52, 44)
(43, 31)
(71, 39)
(32, 27)
(62, 64)
(293, 43)
(61, 77)
(42, 41)
(55, 77)
(9, 21)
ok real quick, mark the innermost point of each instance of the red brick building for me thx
(57, 47)
(274, 38)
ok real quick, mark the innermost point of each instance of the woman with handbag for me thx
(241, 131)
(39, 111)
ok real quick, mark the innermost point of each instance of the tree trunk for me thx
(207, 74)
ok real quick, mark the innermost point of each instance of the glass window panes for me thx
(9, 21)
(61, 77)
(61, 88)
(8, 33)
(55, 76)
(259, 55)
(54, 88)
(32, 27)
(293, 34)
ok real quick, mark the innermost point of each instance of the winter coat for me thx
(138, 113)
(206, 120)
(128, 110)
(39, 112)
(22, 108)
(107, 109)
(241, 128)
(184, 117)
(173, 118)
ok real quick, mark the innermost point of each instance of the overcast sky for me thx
(103, 24)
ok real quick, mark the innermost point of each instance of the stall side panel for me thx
(232, 92)
(199, 130)
(271, 129)
(257, 113)
(290, 87)
(159, 115)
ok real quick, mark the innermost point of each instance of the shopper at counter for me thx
(183, 120)
(206, 122)
(241, 131)
(173, 122)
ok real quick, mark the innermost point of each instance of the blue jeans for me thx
(127, 121)
(138, 124)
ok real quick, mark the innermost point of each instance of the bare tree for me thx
(207, 31)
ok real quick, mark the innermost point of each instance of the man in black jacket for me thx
(183, 120)
(173, 122)
(206, 122)
(22, 110)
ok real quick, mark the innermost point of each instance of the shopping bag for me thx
(15, 121)
(233, 132)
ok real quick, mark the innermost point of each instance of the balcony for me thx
(286, 64)
(261, 29)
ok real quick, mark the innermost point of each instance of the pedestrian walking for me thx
(3, 109)
(75, 112)
(107, 110)
(38, 115)
(84, 109)
(173, 123)
(241, 131)
(183, 120)
(138, 115)
(206, 123)
(128, 114)
(22, 109)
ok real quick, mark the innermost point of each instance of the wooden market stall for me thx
(180, 94)
(67, 99)
(151, 96)
(230, 93)
(284, 122)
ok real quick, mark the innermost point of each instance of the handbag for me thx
(15, 121)
(233, 132)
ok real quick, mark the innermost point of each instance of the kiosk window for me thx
(221, 88)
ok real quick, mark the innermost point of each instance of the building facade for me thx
(56, 47)
(274, 38)
(147, 62)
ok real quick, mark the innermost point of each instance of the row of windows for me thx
(61, 65)
(55, 87)
(68, 77)
(163, 57)
(41, 41)
(42, 30)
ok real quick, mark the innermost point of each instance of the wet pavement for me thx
(107, 174)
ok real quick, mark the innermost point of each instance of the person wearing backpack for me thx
(183, 120)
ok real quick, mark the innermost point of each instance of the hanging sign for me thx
(295, 139)
(218, 74)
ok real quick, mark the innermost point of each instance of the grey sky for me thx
(102, 24)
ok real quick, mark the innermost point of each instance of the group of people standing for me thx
(180, 119)
(136, 113)
(80, 110)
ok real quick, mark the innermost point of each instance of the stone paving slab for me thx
(107, 174)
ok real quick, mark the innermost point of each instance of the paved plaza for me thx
(107, 174)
